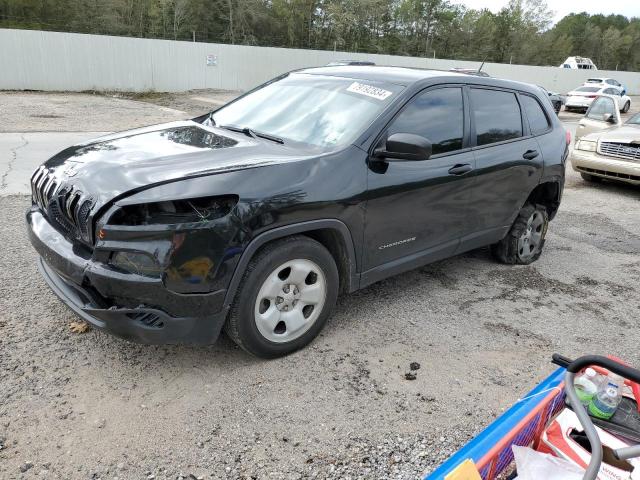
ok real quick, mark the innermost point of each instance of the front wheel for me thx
(524, 242)
(286, 295)
(626, 107)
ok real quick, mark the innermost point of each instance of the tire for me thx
(524, 242)
(626, 107)
(281, 321)
(590, 178)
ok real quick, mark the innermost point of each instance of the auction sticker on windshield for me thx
(369, 91)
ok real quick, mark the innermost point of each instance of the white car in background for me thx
(604, 83)
(581, 98)
(579, 63)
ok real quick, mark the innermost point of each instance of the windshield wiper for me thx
(249, 132)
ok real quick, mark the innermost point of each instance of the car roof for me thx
(407, 76)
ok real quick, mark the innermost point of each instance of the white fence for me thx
(37, 60)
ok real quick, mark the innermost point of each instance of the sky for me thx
(629, 8)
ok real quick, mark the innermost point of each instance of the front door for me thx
(603, 114)
(417, 210)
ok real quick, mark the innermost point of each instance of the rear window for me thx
(587, 89)
(496, 114)
(538, 121)
(594, 80)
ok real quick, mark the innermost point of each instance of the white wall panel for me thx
(37, 60)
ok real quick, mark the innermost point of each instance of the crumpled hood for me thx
(110, 166)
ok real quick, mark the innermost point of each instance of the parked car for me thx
(581, 98)
(470, 71)
(579, 63)
(556, 99)
(605, 147)
(343, 63)
(323, 181)
(605, 83)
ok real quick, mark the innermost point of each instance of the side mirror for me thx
(609, 118)
(403, 147)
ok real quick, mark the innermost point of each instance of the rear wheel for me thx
(287, 293)
(590, 178)
(524, 242)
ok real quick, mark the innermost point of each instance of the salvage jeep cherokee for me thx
(256, 216)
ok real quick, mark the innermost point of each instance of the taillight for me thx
(567, 136)
(592, 96)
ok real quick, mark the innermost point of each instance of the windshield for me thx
(635, 120)
(313, 109)
(594, 80)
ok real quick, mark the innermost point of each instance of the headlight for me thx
(169, 212)
(135, 262)
(586, 145)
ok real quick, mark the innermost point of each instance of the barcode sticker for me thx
(369, 91)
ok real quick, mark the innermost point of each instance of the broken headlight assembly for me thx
(170, 212)
(135, 262)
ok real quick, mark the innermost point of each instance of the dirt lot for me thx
(86, 406)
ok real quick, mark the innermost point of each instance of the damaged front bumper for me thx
(92, 291)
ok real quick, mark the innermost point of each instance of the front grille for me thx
(67, 208)
(622, 150)
(43, 186)
(147, 318)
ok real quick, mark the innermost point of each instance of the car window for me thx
(594, 80)
(496, 115)
(600, 106)
(587, 89)
(635, 120)
(437, 115)
(538, 121)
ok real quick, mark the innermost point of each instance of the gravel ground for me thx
(86, 406)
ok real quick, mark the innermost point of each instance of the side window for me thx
(600, 106)
(437, 115)
(496, 114)
(538, 121)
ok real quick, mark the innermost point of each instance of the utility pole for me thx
(194, 36)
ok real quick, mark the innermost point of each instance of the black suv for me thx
(256, 216)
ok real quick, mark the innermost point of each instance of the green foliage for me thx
(519, 33)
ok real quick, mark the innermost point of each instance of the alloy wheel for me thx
(530, 241)
(290, 300)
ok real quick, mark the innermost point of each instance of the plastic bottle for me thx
(586, 386)
(605, 402)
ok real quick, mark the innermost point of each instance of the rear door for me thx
(603, 114)
(508, 164)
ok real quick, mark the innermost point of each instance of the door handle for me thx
(460, 169)
(530, 154)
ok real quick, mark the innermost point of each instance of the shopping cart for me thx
(490, 452)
